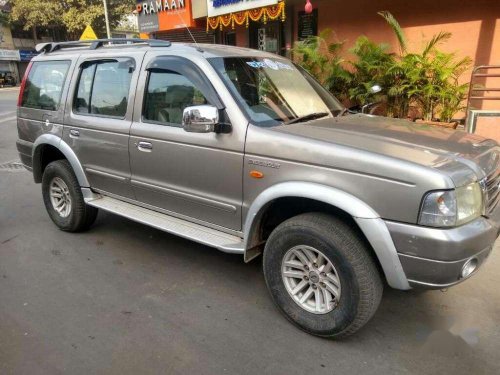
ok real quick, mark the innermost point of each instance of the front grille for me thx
(492, 190)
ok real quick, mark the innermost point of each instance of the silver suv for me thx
(242, 151)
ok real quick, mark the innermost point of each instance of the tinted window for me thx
(44, 85)
(103, 88)
(168, 93)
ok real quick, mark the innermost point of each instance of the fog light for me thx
(469, 267)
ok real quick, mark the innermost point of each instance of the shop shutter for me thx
(182, 35)
(5, 66)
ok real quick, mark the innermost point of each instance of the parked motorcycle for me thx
(370, 107)
(7, 79)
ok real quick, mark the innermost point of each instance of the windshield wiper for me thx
(310, 116)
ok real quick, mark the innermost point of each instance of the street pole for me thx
(108, 31)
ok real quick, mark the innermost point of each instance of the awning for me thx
(9, 55)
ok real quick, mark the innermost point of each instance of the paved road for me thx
(127, 299)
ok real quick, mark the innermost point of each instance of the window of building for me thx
(168, 94)
(103, 88)
(44, 85)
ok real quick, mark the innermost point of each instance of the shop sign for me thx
(9, 55)
(163, 15)
(27, 54)
(307, 24)
(218, 7)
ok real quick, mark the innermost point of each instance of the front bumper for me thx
(433, 258)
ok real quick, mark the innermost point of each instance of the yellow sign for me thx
(88, 34)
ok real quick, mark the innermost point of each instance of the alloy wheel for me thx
(60, 197)
(311, 279)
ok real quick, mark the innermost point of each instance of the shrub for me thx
(427, 80)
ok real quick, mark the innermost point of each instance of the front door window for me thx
(168, 94)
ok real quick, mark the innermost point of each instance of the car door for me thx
(98, 118)
(197, 176)
(41, 108)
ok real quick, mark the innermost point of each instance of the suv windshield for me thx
(274, 91)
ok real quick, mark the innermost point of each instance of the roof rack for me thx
(97, 43)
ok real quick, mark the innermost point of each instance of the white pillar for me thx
(106, 17)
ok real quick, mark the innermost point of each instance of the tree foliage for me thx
(4, 19)
(427, 79)
(74, 15)
(34, 13)
(398, 31)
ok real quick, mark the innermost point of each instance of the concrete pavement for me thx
(124, 298)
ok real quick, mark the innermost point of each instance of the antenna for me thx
(189, 31)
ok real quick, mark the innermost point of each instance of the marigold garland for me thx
(271, 12)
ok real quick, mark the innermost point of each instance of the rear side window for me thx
(103, 88)
(45, 84)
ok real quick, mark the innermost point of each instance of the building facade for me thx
(9, 55)
(174, 20)
(275, 25)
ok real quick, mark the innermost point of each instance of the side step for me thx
(195, 232)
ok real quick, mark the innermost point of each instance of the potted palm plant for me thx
(430, 78)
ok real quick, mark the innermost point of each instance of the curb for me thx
(9, 88)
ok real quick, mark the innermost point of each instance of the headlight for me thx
(452, 207)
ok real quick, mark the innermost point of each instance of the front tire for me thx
(63, 198)
(321, 276)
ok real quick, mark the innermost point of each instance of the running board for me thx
(192, 231)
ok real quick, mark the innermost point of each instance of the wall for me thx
(6, 41)
(199, 8)
(241, 36)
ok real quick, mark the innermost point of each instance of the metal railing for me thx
(477, 93)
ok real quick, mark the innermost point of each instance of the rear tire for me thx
(298, 251)
(63, 198)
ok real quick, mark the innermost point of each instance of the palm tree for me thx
(429, 78)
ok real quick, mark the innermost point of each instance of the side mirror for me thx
(375, 89)
(200, 119)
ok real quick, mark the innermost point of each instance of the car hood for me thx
(465, 157)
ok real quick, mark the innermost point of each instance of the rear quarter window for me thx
(44, 85)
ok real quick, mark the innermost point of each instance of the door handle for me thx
(46, 120)
(145, 146)
(73, 133)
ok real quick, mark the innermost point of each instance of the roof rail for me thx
(96, 43)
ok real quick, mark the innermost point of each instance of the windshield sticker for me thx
(268, 63)
(271, 64)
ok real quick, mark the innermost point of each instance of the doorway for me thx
(230, 38)
(267, 37)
